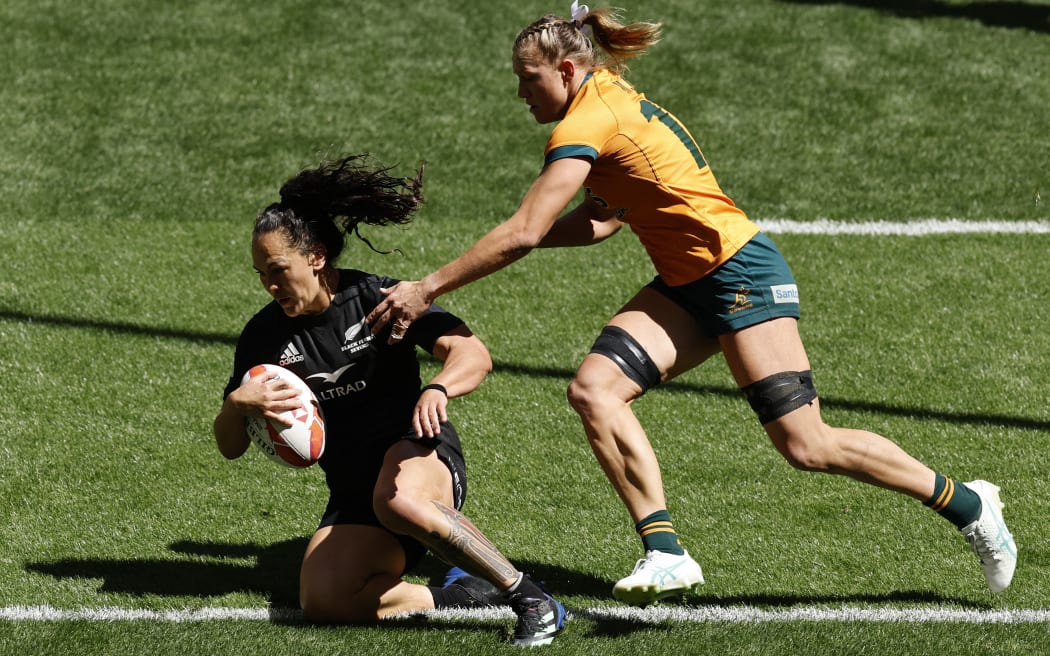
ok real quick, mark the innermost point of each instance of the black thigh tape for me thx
(617, 345)
(775, 396)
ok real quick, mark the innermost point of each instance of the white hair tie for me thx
(579, 13)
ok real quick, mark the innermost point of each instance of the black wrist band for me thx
(435, 386)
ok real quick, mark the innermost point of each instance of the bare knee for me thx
(317, 610)
(803, 457)
(323, 601)
(596, 391)
(583, 397)
(399, 510)
(806, 443)
(351, 573)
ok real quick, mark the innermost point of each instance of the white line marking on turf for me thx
(115, 614)
(651, 615)
(917, 228)
(749, 615)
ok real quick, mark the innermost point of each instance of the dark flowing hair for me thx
(319, 206)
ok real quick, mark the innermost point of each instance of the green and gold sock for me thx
(955, 502)
(658, 533)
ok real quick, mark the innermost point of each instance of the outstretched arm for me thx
(504, 244)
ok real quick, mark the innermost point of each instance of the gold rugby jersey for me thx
(647, 167)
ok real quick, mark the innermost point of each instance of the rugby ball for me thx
(298, 445)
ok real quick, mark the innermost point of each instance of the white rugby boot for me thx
(657, 576)
(990, 539)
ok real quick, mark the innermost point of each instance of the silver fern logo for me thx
(357, 337)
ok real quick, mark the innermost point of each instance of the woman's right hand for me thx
(266, 395)
(260, 395)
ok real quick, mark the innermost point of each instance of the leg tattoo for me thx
(466, 545)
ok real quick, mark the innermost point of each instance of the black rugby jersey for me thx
(366, 387)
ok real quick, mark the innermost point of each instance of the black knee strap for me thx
(775, 396)
(617, 345)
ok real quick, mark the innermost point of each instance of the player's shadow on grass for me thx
(558, 373)
(199, 570)
(1014, 15)
(208, 569)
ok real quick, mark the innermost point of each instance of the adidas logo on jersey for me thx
(290, 355)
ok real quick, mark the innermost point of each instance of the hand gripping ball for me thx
(298, 445)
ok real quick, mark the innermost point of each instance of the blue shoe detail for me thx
(453, 575)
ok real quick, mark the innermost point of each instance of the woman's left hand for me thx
(431, 410)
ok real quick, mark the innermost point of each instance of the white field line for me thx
(652, 615)
(916, 228)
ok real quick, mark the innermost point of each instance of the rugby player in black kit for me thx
(393, 463)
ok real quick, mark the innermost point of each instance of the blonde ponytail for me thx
(553, 38)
